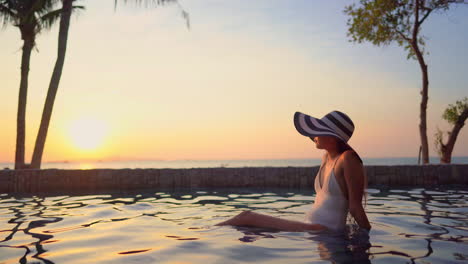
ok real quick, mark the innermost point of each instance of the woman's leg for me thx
(249, 218)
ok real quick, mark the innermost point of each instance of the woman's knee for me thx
(245, 213)
(244, 217)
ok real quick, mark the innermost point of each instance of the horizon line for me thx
(171, 160)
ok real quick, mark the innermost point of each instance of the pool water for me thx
(409, 226)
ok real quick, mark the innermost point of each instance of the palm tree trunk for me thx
(54, 84)
(22, 99)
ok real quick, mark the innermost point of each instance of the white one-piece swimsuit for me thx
(330, 207)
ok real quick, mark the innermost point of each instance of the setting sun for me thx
(87, 133)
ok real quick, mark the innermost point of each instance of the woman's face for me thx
(324, 142)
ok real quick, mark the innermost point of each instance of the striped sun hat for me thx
(335, 124)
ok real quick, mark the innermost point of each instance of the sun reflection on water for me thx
(179, 226)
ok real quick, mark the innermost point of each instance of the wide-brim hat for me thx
(336, 124)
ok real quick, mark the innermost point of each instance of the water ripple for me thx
(409, 226)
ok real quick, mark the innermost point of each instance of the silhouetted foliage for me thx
(67, 6)
(456, 114)
(382, 22)
(31, 17)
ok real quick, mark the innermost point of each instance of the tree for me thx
(31, 17)
(382, 22)
(456, 115)
(65, 15)
(67, 6)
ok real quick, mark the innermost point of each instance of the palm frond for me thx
(49, 19)
(77, 8)
(42, 7)
(156, 3)
(146, 3)
(7, 15)
(185, 15)
(26, 13)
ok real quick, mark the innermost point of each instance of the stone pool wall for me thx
(56, 180)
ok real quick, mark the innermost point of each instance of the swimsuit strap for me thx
(336, 161)
(332, 170)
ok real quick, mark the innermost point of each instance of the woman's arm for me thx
(354, 177)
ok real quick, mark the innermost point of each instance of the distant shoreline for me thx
(173, 160)
(238, 163)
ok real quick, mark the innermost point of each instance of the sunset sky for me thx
(138, 84)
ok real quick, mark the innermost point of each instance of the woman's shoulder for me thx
(351, 163)
(350, 156)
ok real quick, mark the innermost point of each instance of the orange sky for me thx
(138, 85)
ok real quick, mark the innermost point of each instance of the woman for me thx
(339, 184)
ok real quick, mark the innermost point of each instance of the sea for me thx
(185, 164)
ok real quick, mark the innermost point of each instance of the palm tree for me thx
(67, 6)
(31, 17)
